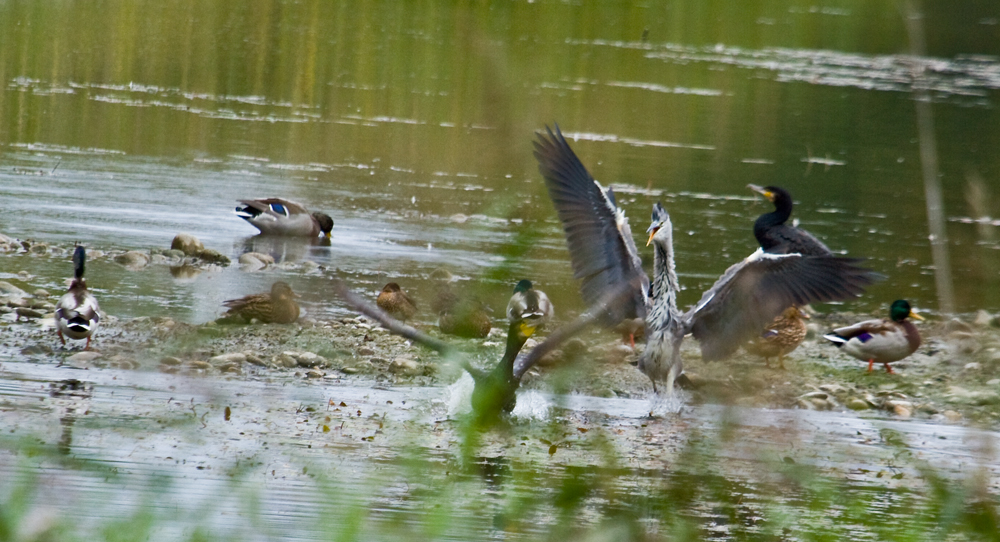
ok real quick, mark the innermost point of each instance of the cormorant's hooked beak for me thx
(913, 314)
(762, 191)
(527, 329)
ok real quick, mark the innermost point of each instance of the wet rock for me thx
(365, 351)
(187, 243)
(253, 359)
(40, 248)
(95, 254)
(378, 361)
(856, 403)
(174, 254)
(286, 359)
(169, 369)
(927, 408)
(213, 256)
(256, 259)
(982, 319)
(228, 359)
(159, 259)
(993, 382)
(952, 416)
(24, 312)
(350, 370)
(834, 389)
(42, 294)
(893, 404)
(133, 260)
(971, 366)
(198, 365)
(10, 290)
(314, 373)
(902, 411)
(955, 324)
(171, 361)
(36, 350)
(82, 359)
(405, 366)
(309, 265)
(309, 359)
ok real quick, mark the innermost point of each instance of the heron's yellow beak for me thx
(915, 315)
(527, 329)
(651, 234)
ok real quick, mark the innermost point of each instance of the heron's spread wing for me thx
(600, 242)
(750, 294)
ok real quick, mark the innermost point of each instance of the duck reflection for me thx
(282, 249)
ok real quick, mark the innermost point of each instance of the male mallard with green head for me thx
(785, 334)
(393, 300)
(77, 313)
(277, 307)
(883, 340)
(529, 306)
(276, 216)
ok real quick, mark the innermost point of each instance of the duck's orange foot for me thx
(870, 363)
(889, 369)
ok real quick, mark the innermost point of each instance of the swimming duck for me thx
(393, 300)
(77, 313)
(747, 297)
(276, 216)
(468, 318)
(777, 237)
(277, 307)
(883, 340)
(529, 306)
(783, 335)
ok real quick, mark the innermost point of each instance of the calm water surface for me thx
(120, 127)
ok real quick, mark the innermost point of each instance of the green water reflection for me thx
(682, 97)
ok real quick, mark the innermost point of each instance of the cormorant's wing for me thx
(365, 307)
(597, 232)
(751, 293)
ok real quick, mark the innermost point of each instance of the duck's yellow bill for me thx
(915, 315)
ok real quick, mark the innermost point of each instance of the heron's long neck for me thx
(665, 285)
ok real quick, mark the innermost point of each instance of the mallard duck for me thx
(529, 307)
(277, 307)
(882, 340)
(469, 318)
(776, 237)
(783, 335)
(747, 297)
(276, 216)
(77, 313)
(393, 300)
(445, 297)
